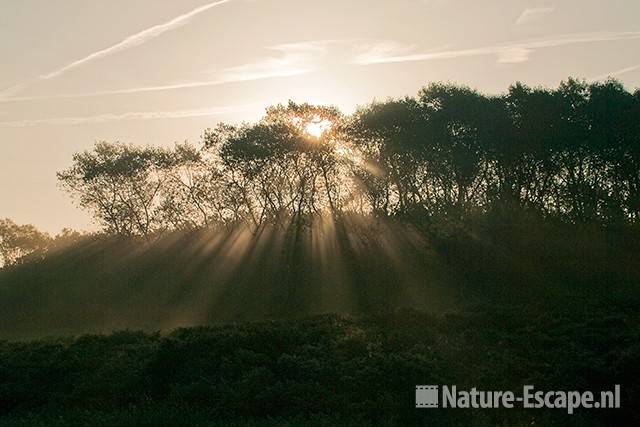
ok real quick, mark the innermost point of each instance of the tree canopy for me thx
(572, 153)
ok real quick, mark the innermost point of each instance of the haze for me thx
(156, 72)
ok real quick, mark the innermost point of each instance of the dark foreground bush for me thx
(326, 371)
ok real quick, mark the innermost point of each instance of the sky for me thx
(73, 72)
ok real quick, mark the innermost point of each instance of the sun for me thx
(317, 127)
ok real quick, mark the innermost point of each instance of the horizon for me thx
(130, 78)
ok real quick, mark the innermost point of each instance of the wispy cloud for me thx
(374, 51)
(133, 40)
(531, 15)
(616, 72)
(514, 55)
(128, 116)
(305, 47)
(136, 39)
(10, 91)
(518, 51)
(293, 59)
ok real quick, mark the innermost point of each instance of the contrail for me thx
(133, 115)
(294, 61)
(616, 72)
(184, 85)
(375, 56)
(533, 14)
(135, 39)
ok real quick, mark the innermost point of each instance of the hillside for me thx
(324, 371)
(354, 266)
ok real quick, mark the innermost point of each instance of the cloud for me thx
(306, 46)
(510, 52)
(373, 51)
(616, 73)
(293, 59)
(531, 15)
(132, 41)
(8, 92)
(134, 115)
(514, 55)
(135, 39)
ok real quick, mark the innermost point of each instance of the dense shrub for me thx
(326, 370)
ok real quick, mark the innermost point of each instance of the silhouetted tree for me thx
(121, 184)
(571, 152)
(20, 241)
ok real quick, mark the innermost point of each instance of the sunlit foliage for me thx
(571, 153)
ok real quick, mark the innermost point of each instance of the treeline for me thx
(572, 153)
(23, 243)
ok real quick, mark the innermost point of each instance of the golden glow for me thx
(317, 127)
(349, 154)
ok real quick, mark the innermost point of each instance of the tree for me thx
(454, 149)
(17, 242)
(571, 152)
(121, 184)
(387, 137)
(614, 134)
(278, 169)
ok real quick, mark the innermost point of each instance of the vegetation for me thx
(571, 153)
(458, 238)
(103, 283)
(19, 241)
(21, 244)
(322, 371)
